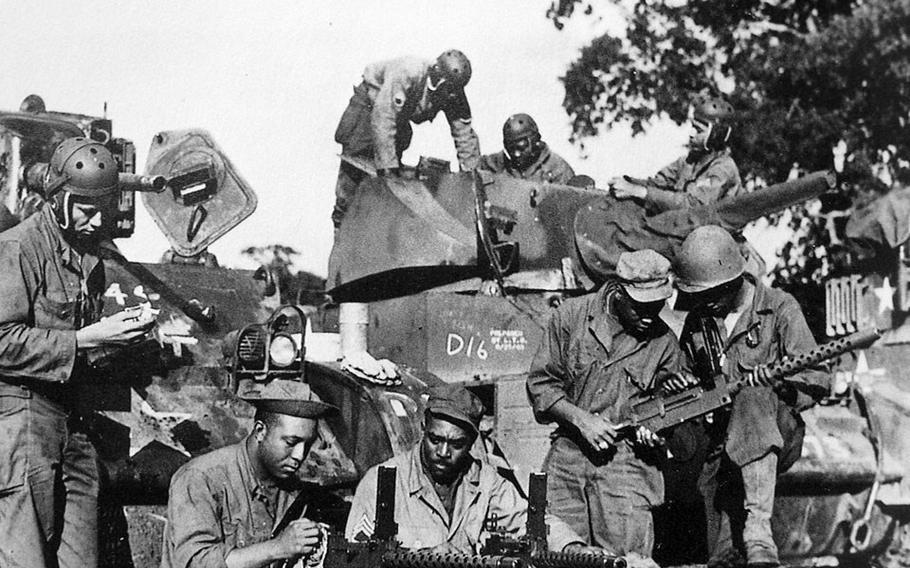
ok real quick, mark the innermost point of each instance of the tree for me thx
(296, 286)
(803, 75)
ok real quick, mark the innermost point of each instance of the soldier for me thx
(704, 175)
(444, 497)
(762, 433)
(376, 124)
(525, 155)
(51, 284)
(602, 349)
(224, 507)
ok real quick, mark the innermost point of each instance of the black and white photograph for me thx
(455, 284)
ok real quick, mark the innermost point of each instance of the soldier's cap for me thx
(456, 403)
(645, 275)
(294, 398)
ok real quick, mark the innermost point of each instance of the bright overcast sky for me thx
(269, 80)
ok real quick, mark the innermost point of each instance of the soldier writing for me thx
(51, 284)
(445, 498)
(525, 155)
(224, 507)
(377, 122)
(600, 350)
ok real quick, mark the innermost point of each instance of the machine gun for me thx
(661, 411)
(532, 547)
(383, 550)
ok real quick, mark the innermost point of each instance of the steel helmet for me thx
(32, 103)
(708, 258)
(82, 167)
(454, 67)
(518, 127)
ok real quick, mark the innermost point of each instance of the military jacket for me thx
(771, 330)
(549, 167)
(682, 184)
(47, 291)
(588, 359)
(399, 93)
(215, 505)
(422, 519)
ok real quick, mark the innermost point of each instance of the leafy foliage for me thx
(803, 75)
(296, 286)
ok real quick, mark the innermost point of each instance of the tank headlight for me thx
(282, 351)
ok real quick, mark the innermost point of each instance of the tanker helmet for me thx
(708, 257)
(82, 167)
(716, 113)
(521, 140)
(518, 127)
(451, 67)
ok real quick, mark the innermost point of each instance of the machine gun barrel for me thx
(425, 559)
(137, 182)
(547, 559)
(662, 411)
(823, 352)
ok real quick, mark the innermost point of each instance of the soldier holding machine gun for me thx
(600, 351)
(445, 499)
(739, 328)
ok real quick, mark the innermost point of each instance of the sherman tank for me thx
(462, 270)
(179, 393)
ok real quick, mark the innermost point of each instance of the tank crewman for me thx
(525, 155)
(377, 122)
(51, 285)
(600, 350)
(762, 433)
(444, 496)
(704, 175)
(228, 507)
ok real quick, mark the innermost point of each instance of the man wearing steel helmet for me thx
(51, 284)
(601, 350)
(236, 506)
(704, 175)
(446, 498)
(762, 432)
(525, 155)
(377, 122)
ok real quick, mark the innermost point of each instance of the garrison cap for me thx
(645, 275)
(457, 403)
(294, 398)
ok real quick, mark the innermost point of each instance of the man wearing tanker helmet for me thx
(761, 435)
(706, 174)
(376, 125)
(601, 350)
(51, 285)
(525, 155)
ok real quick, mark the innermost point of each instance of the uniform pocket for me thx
(54, 314)
(13, 438)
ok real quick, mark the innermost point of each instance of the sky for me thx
(269, 81)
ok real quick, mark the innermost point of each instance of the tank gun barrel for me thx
(34, 175)
(138, 182)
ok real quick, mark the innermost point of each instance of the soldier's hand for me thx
(678, 382)
(299, 538)
(621, 188)
(760, 377)
(121, 328)
(598, 431)
(647, 438)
